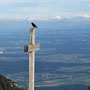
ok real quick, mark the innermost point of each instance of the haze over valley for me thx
(64, 57)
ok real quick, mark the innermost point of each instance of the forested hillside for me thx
(6, 84)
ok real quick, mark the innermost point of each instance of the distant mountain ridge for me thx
(19, 18)
(17, 23)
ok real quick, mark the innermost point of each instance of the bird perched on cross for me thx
(34, 25)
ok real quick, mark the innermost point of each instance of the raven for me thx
(34, 25)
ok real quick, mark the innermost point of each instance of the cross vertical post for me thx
(31, 49)
(31, 60)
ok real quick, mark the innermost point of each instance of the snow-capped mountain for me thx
(54, 22)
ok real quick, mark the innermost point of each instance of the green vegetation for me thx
(89, 88)
(6, 84)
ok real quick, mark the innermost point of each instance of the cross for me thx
(31, 49)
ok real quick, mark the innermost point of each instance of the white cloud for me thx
(14, 18)
(7, 2)
(84, 15)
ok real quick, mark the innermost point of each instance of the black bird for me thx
(34, 25)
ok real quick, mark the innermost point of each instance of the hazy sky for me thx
(44, 8)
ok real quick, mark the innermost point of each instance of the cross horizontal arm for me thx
(30, 48)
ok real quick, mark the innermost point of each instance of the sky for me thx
(43, 8)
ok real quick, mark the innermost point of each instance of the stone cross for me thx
(31, 49)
